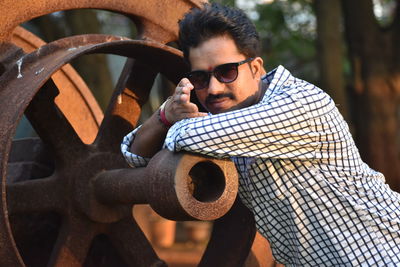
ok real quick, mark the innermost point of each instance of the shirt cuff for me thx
(133, 160)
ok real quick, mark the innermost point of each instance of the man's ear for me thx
(258, 67)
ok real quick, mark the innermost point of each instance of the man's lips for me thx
(219, 100)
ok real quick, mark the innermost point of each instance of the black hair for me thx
(201, 24)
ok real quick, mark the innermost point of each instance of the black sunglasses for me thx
(225, 73)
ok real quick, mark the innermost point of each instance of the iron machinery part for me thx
(178, 186)
(67, 191)
(156, 19)
(75, 99)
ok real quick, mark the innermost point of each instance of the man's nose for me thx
(215, 87)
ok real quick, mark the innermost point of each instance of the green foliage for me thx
(384, 11)
(287, 30)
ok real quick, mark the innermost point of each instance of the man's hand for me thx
(150, 137)
(179, 107)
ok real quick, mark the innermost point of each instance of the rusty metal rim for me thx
(134, 9)
(55, 56)
(67, 74)
(64, 50)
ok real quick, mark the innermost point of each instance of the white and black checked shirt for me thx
(301, 174)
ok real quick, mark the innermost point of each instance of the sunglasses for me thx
(225, 73)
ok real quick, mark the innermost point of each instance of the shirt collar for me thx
(275, 79)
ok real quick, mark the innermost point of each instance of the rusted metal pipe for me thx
(122, 186)
(179, 186)
(186, 186)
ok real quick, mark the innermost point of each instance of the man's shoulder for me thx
(294, 87)
(283, 84)
(280, 79)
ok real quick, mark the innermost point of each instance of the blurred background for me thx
(351, 49)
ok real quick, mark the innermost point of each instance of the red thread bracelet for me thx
(163, 118)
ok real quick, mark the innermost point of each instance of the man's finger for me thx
(184, 82)
(184, 98)
(185, 94)
(182, 91)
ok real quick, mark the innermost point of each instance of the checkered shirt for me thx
(301, 174)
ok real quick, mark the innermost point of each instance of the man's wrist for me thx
(162, 116)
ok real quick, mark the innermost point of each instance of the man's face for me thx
(221, 97)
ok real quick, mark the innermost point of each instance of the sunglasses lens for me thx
(226, 73)
(199, 79)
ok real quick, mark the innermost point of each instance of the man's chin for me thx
(244, 104)
(218, 107)
(223, 109)
(220, 110)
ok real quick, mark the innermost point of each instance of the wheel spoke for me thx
(131, 92)
(132, 244)
(73, 243)
(50, 123)
(231, 238)
(39, 195)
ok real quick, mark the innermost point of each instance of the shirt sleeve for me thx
(132, 159)
(274, 128)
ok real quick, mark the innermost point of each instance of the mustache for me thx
(216, 97)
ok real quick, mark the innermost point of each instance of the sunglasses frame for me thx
(212, 72)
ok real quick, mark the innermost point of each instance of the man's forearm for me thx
(149, 138)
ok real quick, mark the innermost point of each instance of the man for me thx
(300, 172)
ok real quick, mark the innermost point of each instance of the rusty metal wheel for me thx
(68, 190)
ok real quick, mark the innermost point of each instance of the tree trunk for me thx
(374, 53)
(330, 51)
(93, 68)
(50, 28)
